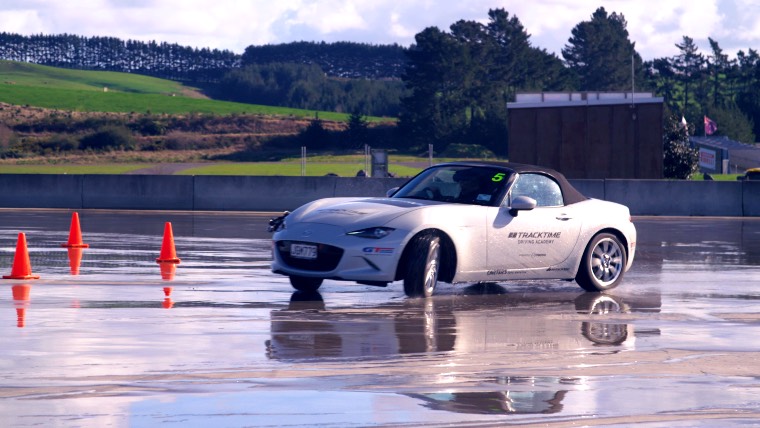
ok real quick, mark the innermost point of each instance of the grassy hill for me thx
(104, 91)
(46, 114)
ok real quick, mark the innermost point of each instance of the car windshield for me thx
(476, 185)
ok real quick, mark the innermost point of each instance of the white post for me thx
(367, 161)
(303, 161)
(430, 155)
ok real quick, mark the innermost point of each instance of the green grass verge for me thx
(716, 177)
(292, 169)
(71, 169)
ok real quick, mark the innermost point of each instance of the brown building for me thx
(588, 134)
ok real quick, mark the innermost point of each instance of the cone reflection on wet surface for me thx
(168, 270)
(167, 303)
(21, 301)
(22, 266)
(75, 259)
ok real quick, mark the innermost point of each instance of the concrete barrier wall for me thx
(245, 193)
(144, 192)
(679, 198)
(40, 191)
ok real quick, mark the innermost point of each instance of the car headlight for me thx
(372, 232)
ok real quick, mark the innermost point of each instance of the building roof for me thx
(579, 99)
(722, 142)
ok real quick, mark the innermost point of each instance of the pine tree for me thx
(600, 53)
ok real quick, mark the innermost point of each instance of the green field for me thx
(716, 177)
(71, 169)
(78, 90)
(293, 169)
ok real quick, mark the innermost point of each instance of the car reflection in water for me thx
(484, 319)
(504, 402)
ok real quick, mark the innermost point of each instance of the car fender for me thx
(463, 225)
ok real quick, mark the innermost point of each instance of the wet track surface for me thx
(112, 341)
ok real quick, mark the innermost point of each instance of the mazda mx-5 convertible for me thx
(458, 222)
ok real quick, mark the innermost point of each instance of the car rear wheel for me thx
(305, 283)
(422, 266)
(603, 264)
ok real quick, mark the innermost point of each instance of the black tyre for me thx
(603, 264)
(305, 283)
(424, 257)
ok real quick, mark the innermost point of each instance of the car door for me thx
(535, 239)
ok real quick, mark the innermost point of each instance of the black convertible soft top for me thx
(570, 194)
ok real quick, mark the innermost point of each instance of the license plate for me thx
(302, 251)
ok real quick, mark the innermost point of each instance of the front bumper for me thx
(339, 256)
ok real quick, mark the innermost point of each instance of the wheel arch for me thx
(618, 234)
(448, 265)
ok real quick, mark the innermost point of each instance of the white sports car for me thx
(458, 222)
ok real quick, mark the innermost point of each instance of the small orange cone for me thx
(22, 267)
(75, 234)
(75, 259)
(168, 253)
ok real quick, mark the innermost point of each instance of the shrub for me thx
(680, 160)
(108, 138)
(474, 151)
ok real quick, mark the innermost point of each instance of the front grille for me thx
(327, 259)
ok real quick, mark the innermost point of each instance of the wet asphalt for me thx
(108, 337)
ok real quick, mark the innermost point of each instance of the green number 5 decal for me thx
(498, 177)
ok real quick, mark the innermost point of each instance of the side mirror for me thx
(391, 191)
(521, 203)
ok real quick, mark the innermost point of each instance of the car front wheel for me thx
(422, 267)
(305, 283)
(603, 264)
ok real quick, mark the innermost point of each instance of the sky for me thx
(655, 26)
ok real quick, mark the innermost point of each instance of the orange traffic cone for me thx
(168, 253)
(75, 234)
(75, 259)
(22, 267)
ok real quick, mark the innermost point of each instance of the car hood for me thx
(355, 213)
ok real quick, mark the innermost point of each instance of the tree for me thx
(430, 114)
(680, 160)
(315, 136)
(460, 82)
(732, 123)
(357, 133)
(600, 54)
(720, 70)
(689, 66)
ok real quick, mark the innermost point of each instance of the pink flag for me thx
(710, 126)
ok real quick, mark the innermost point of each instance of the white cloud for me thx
(235, 24)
